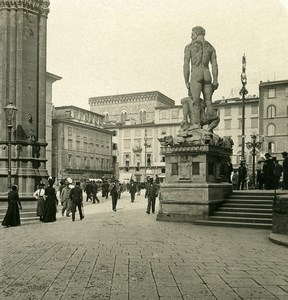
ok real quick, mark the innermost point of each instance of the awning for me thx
(125, 177)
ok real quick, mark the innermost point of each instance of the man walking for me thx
(65, 199)
(242, 171)
(114, 192)
(132, 190)
(152, 193)
(76, 196)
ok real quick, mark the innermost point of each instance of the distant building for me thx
(273, 109)
(50, 79)
(81, 147)
(139, 119)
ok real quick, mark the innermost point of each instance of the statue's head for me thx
(198, 30)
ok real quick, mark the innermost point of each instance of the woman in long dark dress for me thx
(12, 217)
(50, 203)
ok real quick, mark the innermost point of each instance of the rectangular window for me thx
(127, 133)
(239, 140)
(240, 110)
(149, 131)
(227, 124)
(69, 144)
(254, 122)
(239, 123)
(195, 168)
(78, 145)
(254, 109)
(114, 133)
(174, 169)
(127, 144)
(138, 132)
(227, 111)
(271, 93)
(174, 114)
(69, 130)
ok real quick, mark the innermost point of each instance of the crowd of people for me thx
(71, 197)
(268, 174)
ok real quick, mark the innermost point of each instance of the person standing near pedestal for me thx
(39, 195)
(12, 217)
(152, 193)
(50, 203)
(268, 172)
(199, 53)
(285, 170)
(242, 171)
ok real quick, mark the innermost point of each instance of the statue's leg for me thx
(196, 107)
(208, 92)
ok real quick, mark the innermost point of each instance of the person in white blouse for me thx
(39, 195)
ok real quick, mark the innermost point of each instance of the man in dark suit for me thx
(76, 200)
(132, 190)
(152, 193)
(114, 192)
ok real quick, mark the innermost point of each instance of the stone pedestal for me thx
(280, 215)
(196, 182)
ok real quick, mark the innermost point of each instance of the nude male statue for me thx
(199, 53)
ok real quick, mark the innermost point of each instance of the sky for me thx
(104, 47)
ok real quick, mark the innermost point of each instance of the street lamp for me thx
(253, 145)
(10, 111)
(243, 92)
(145, 146)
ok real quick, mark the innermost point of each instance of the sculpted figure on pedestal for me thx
(197, 55)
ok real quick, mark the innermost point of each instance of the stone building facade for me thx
(81, 147)
(273, 109)
(23, 83)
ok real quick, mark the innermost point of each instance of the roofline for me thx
(76, 107)
(156, 93)
(267, 83)
(55, 77)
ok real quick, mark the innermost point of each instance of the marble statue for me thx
(197, 56)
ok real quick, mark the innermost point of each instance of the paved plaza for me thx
(129, 255)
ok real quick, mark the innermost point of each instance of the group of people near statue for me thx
(269, 174)
(71, 198)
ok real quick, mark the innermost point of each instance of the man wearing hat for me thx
(285, 170)
(268, 172)
(76, 200)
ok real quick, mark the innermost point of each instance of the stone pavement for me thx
(128, 255)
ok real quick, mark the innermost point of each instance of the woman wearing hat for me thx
(39, 195)
(12, 217)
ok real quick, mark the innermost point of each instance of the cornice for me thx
(38, 6)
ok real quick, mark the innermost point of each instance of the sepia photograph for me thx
(143, 150)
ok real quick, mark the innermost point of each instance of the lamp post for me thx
(253, 145)
(10, 111)
(243, 92)
(145, 147)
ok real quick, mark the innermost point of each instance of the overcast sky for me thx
(102, 48)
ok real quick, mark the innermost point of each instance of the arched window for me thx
(123, 116)
(142, 116)
(271, 129)
(271, 111)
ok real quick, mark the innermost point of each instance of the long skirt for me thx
(40, 207)
(12, 217)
